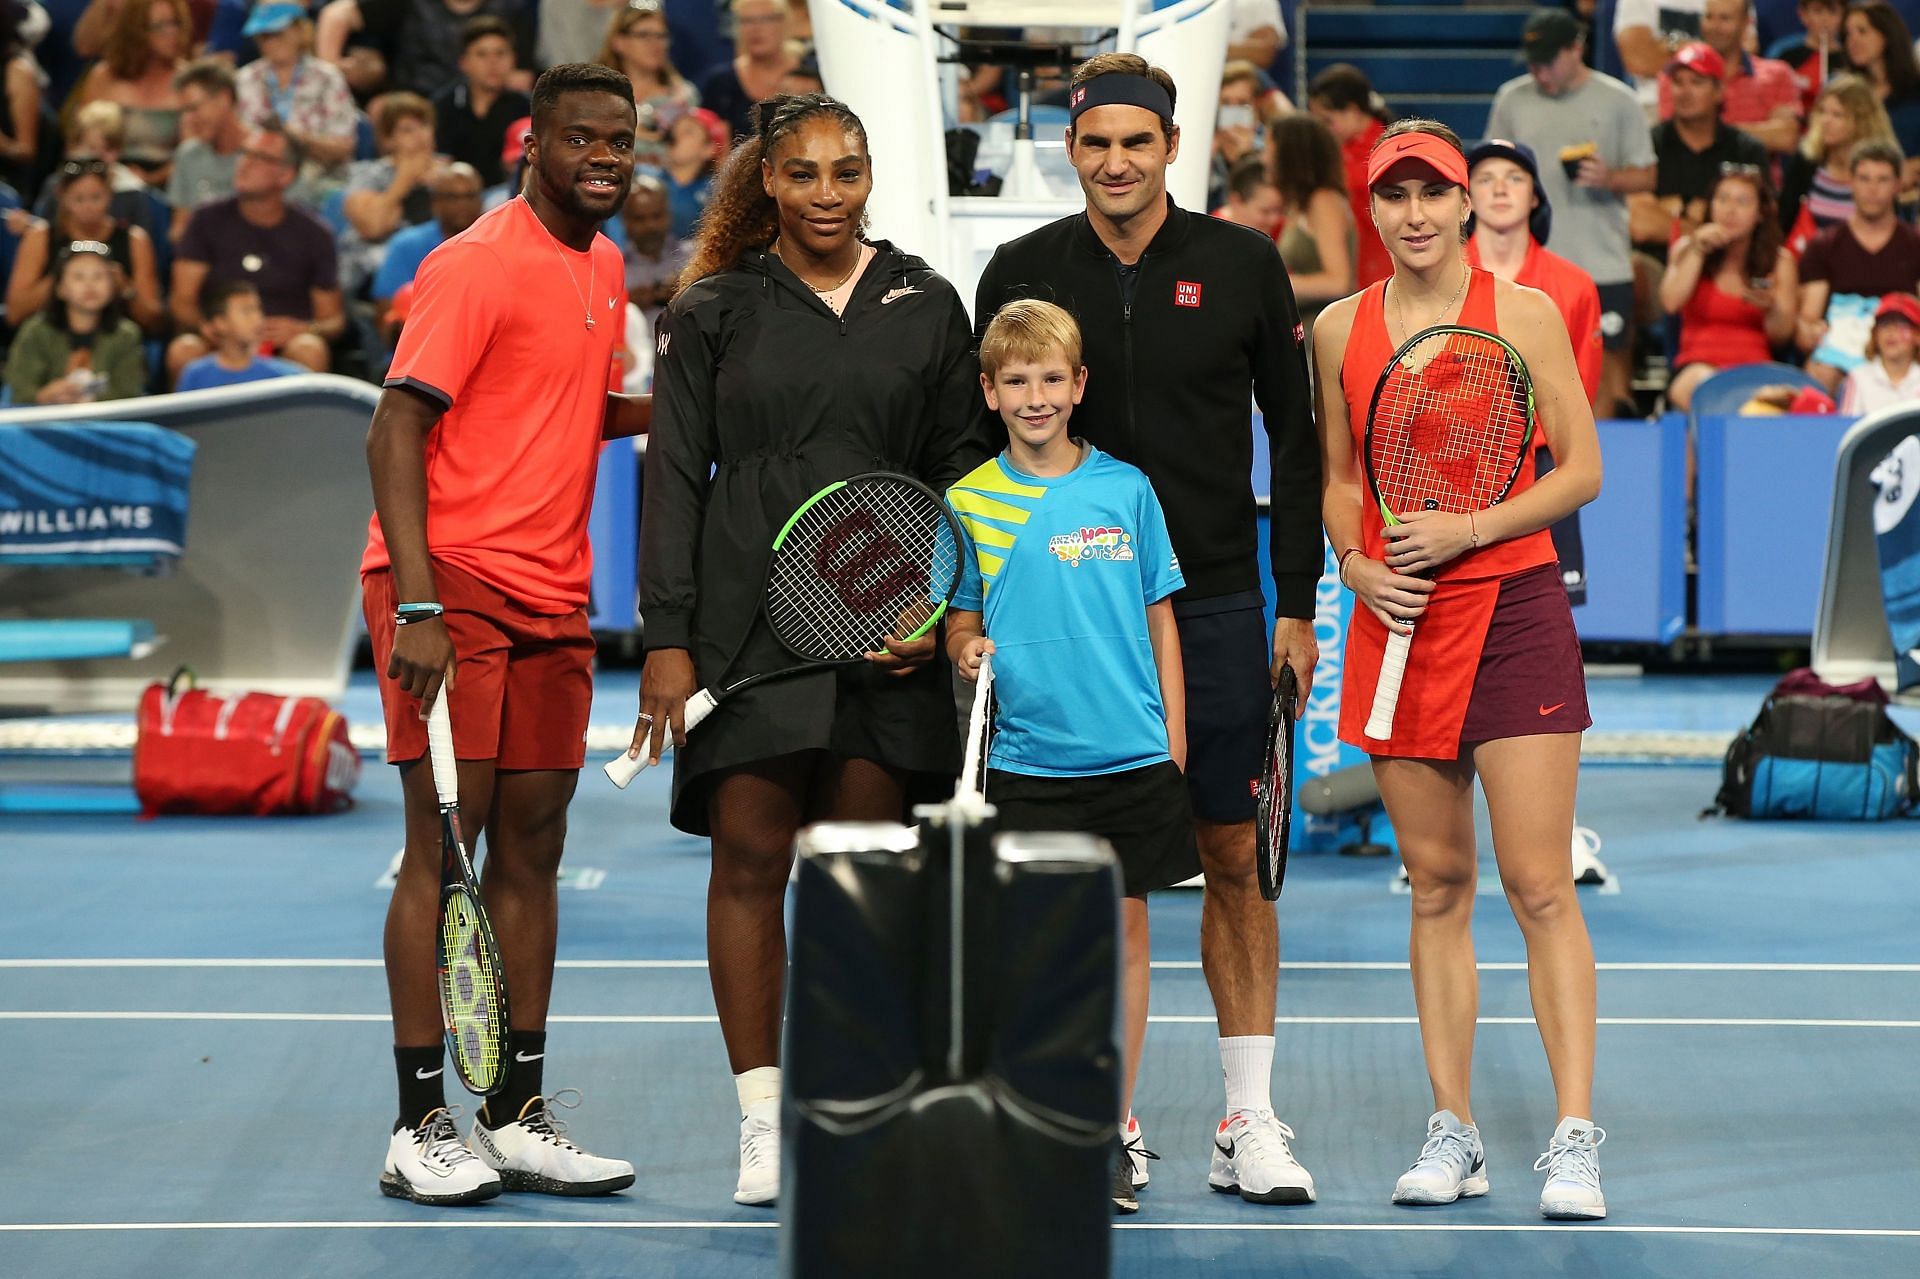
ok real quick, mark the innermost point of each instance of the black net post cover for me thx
(892, 1166)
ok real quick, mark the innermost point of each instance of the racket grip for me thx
(446, 775)
(623, 768)
(1386, 694)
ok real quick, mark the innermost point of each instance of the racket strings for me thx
(858, 565)
(1451, 419)
(470, 992)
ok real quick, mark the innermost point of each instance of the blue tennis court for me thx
(194, 1017)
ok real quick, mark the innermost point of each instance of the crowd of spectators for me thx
(195, 193)
(260, 181)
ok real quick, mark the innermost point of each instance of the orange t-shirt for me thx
(498, 334)
(1574, 296)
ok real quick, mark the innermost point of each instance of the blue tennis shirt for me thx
(1063, 569)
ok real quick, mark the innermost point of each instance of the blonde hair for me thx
(108, 119)
(1870, 122)
(1028, 330)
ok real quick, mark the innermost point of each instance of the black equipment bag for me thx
(894, 1166)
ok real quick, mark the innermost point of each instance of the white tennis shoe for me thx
(1572, 1165)
(534, 1153)
(759, 1158)
(429, 1165)
(1251, 1157)
(1452, 1165)
(1134, 1143)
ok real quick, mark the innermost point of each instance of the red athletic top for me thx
(498, 334)
(1373, 263)
(1576, 298)
(1720, 329)
(1445, 656)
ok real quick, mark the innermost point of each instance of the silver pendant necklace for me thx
(1400, 303)
(586, 303)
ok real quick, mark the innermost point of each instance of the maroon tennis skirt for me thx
(1531, 679)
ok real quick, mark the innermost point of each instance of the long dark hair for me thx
(1303, 158)
(1763, 247)
(1896, 55)
(740, 214)
(57, 306)
(1344, 85)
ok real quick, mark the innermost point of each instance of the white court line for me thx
(618, 1019)
(1818, 1232)
(1306, 965)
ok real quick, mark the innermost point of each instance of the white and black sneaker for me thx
(759, 1183)
(533, 1153)
(1134, 1144)
(429, 1165)
(1251, 1158)
(1572, 1165)
(1452, 1165)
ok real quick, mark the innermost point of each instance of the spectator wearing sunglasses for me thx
(82, 348)
(1732, 283)
(83, 213)
(148, 43)
(257, 235)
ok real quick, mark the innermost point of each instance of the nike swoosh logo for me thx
(427, 1074)
(894, 295)
(1548, 710)
(528, 1056)
(1226, 1150)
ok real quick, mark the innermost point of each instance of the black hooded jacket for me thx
(762, 397)
(1212, 314)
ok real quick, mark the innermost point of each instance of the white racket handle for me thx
(976, 730)
(446, 774)
(623, 768)
(1386, 694)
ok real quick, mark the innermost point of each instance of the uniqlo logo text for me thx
(1186, 293)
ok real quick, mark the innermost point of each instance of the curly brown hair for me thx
(126, 53)
(740, 214)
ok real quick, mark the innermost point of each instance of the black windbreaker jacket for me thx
(762, 397)
(1212, 315)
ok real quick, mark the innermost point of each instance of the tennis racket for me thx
(865, 559)
(1448, 430)
(473, 985)
(972, 787)
(1273, 811)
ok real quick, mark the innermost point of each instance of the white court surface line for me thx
(1818, 1232)
(1305, 965)
(1207, 1019)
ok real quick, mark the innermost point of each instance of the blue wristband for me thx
(404, 613)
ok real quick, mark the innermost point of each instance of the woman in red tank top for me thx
(1733, 285)
(1493, 685)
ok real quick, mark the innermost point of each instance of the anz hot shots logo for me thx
(1101, 542)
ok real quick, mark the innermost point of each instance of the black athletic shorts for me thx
(1226, 654)
(1141, 812)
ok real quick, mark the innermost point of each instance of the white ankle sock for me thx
(1247, 1061)
(759, 1091)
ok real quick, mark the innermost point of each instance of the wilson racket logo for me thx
(863, 563)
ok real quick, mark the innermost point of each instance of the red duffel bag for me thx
(253, 753)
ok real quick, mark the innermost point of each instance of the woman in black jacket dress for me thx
(796, 353)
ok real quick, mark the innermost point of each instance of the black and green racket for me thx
(865, 559)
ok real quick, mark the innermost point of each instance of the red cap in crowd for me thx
(1904, 305)
(1700, 58)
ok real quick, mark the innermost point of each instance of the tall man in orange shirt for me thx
(1508, 229)
(483, 452)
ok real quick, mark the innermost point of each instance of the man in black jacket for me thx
(1182, 314)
